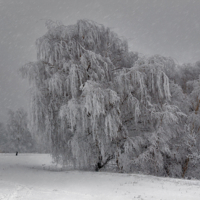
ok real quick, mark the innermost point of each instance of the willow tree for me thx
(97, 101)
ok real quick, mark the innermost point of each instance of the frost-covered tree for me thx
(187, 72)
(194, 119)
(4, 142)
(19, 136)
(96, 101)
(71, 96)
(185, 94)
(152, 121)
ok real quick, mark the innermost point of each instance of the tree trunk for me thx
(185, 167)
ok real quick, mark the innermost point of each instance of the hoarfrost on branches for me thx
(97, 102)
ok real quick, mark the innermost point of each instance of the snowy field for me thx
(34, 177)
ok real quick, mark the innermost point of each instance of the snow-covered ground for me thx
(34, 177)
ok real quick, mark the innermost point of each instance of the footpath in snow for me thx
(34, 177)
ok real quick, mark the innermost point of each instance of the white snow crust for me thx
(35, 177)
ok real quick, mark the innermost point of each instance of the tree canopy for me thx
(96, 101)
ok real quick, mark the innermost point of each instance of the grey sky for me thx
(166, 27)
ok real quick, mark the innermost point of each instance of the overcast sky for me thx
(166, 27)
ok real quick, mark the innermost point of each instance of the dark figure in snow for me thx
(16, 153)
